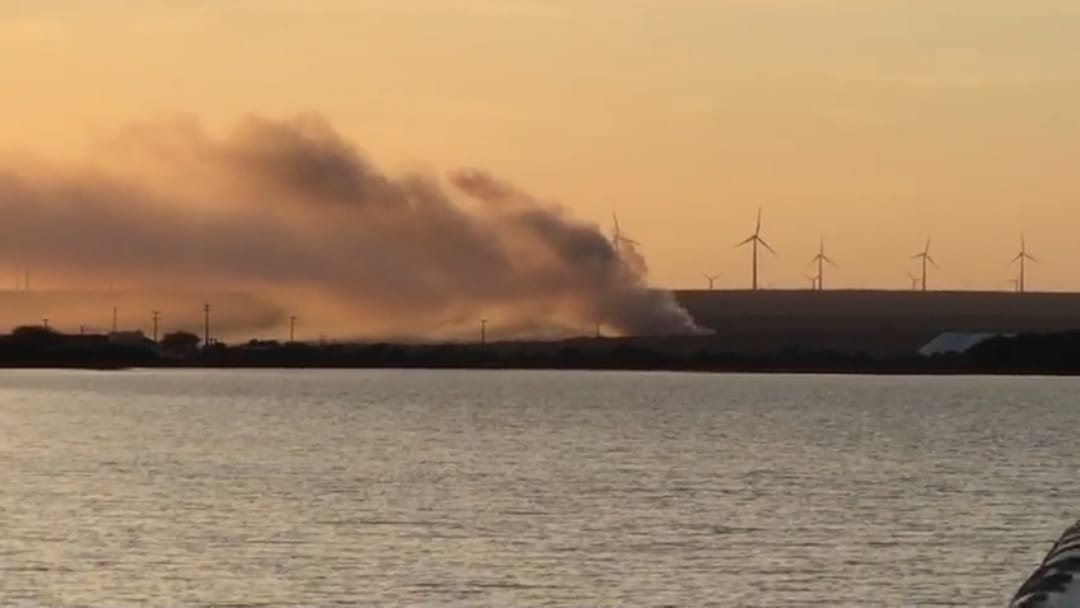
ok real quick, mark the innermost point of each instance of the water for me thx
(527, 489)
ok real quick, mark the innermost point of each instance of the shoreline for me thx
(756, 371)
(1021, 355)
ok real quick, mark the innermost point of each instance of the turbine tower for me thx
(1022, 257)
(821, 259)
(924, 255)
(754, 240)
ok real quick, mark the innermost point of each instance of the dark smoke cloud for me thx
(292, 211)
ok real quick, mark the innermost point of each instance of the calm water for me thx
(528, 489)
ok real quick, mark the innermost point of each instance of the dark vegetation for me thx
(40, 347)
(1057, 353)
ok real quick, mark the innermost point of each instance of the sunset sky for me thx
(872, 122)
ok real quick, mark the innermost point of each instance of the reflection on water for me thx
(528, 488)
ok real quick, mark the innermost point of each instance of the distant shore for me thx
(1033, 354)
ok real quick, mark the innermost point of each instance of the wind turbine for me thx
(711, 278)
(1022, 257)
(924, 255)
(914, 281)
(813, 282)
(754, 240)
(618, 239)
(820, 259)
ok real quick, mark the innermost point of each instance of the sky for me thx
(871, 123)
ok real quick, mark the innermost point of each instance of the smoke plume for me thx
(292, 212)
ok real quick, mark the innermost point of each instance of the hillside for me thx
(879, 323)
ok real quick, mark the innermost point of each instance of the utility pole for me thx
(206, 320)
(292, 329)
(155, 316)
(483, 332)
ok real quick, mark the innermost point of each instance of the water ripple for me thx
(239, 489)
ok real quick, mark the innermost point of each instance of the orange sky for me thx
(871, 121)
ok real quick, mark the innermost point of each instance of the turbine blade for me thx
(918, 255)
(766, 245)
(757, 229)
(927, 248)
(932, 262)
(829, 260)
(749, 239)
(1031, 257)
(1017, 258)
